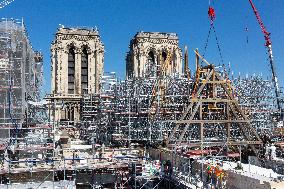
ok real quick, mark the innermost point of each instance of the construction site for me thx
(163, 126)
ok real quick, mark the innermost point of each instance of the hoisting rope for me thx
(207, 41)
(218, 45)
(212, 17)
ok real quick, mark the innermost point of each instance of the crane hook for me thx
(211, 14)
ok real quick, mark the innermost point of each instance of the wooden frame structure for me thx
(212, 116)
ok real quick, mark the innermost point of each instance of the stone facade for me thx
(77, 58)
(80, 41)
(149, 50)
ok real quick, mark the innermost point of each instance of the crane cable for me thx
(212, 17)
(218, 45)
(207, 41)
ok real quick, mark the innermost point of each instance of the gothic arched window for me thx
(71, 71)
(164, 56)
(84, 71)
(151, 67)
(151, 58)
(174, 62)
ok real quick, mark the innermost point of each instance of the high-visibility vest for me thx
(209, 169)
(219, 172)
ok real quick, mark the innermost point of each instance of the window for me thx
(70, 113)
(151, 67)
(151, 57)
(164, 56)
(84, 71)
(71, 71)
(174, 63)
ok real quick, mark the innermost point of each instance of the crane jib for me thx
(268, 44)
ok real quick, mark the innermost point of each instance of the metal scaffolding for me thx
(20, 73)
(24, 128)
(257, 99)
(151, 109)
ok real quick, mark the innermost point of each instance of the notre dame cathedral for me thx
(77, 59)
(149, 50)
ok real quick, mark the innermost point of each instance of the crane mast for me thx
(268, 45)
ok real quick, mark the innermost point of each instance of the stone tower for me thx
(149, 50)
(77, 58)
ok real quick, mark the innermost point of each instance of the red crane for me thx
(268, 45)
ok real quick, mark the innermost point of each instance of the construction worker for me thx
(219, 174)
(209, 170)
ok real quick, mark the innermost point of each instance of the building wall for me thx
(79, 39)
(236, 179)
(139, 61)
(83, 42)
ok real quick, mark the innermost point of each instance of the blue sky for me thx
(119, 20)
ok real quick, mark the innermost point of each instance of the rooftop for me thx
(157, 35)
(77, 31)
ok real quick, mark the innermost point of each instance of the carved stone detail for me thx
(79, 39)
(143, 43)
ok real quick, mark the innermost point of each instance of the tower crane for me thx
(268, 45)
